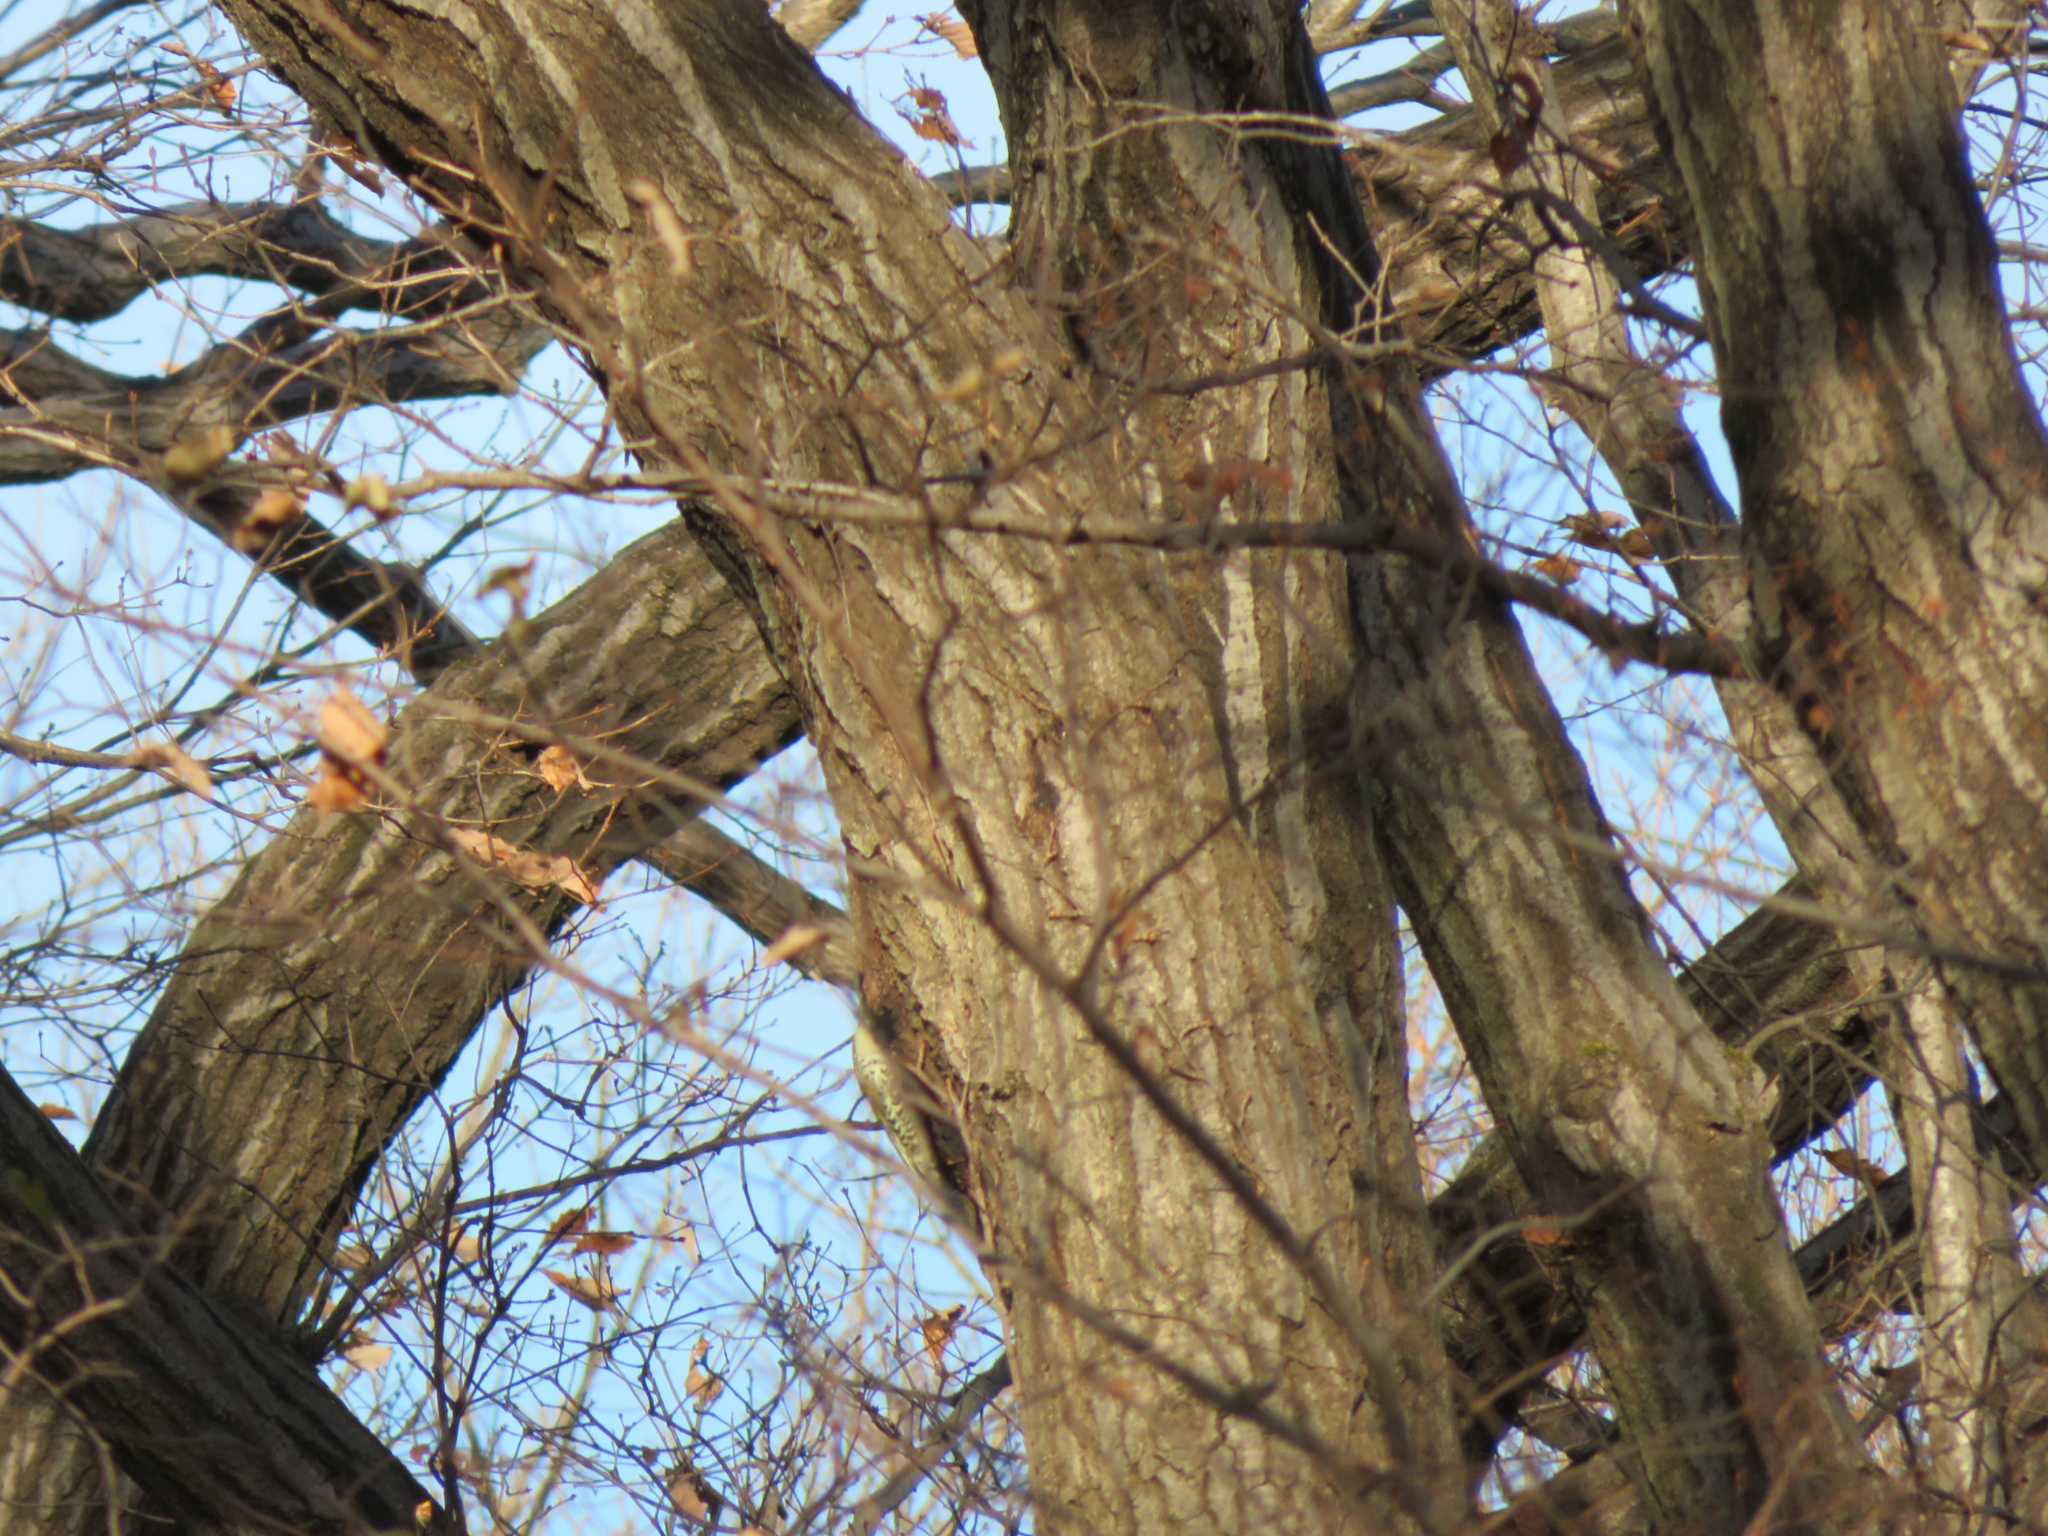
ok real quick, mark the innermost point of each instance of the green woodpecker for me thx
(895, 1096)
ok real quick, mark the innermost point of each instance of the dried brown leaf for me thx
(559, 769)
(794, 941)
(694, 1497)
(594, 1291)
(571, 1223)
(938, 1330)
(703, 1383)
(199, 453)
(368, 1356)
(535, 871)
(336, 792)
(955, 31)
(932, 120)
(348, 731)
(277, 508)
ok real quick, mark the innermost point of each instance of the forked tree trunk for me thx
(1120, 891)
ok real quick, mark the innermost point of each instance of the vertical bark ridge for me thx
(1618, 1102)
(1065, 775)
(1894, 480)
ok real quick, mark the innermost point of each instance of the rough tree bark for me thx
(1120, 885)
(236, 1255)
(1894, 480)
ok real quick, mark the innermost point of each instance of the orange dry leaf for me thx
(703, 1383)
(56, 1112)
(604, 1242)
(351, 740)
(594, 1291)
(175, 764)
(798, 938)
(276, 509)
(559, 769)
(1560, 568)
(571, 1223)
(693, 1497)
(932, 120)
(335, 792)
(535, 871)
(952, 29)
(218, 86)
(939, 1329)
(1226, 477)
(349, 731)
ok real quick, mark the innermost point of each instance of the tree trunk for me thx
(1073, 813)
(1125, 824)
(1894, 482)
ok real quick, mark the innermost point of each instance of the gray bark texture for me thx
(1127, 825)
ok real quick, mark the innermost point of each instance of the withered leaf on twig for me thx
(536, 871)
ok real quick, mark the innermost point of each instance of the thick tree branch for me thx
(467, 340)
(340, 917)
(1456, 269)
(97, 270)
(1779, 986)
(1862, 1265)
(209, 1412)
